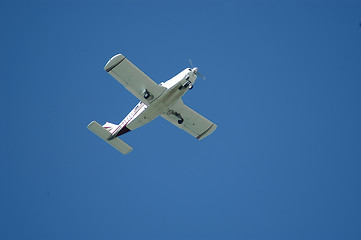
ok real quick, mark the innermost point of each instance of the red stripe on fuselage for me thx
(124, 128)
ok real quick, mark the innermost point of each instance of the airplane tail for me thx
(104, 133)
(110, 127)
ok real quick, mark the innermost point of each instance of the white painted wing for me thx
(133, 79)
(194, 123)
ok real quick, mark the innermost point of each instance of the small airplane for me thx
(163, 100)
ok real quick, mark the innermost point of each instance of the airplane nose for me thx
(195, 70)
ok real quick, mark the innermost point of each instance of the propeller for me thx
(196, 70)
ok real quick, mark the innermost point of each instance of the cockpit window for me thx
(189, 69)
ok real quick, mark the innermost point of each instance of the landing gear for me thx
(186, 85)
(146, 94)
(180, 119)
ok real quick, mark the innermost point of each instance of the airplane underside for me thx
(163, 100)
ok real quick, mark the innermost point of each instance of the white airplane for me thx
(163, 99)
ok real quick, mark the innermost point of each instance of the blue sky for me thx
(283, 86)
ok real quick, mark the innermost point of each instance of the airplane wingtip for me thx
(113, 62)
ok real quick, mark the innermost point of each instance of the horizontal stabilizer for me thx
(104, 134)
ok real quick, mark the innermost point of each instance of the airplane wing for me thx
(194, 123)
(133, 79)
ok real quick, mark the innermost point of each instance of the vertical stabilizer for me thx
(110, 127)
